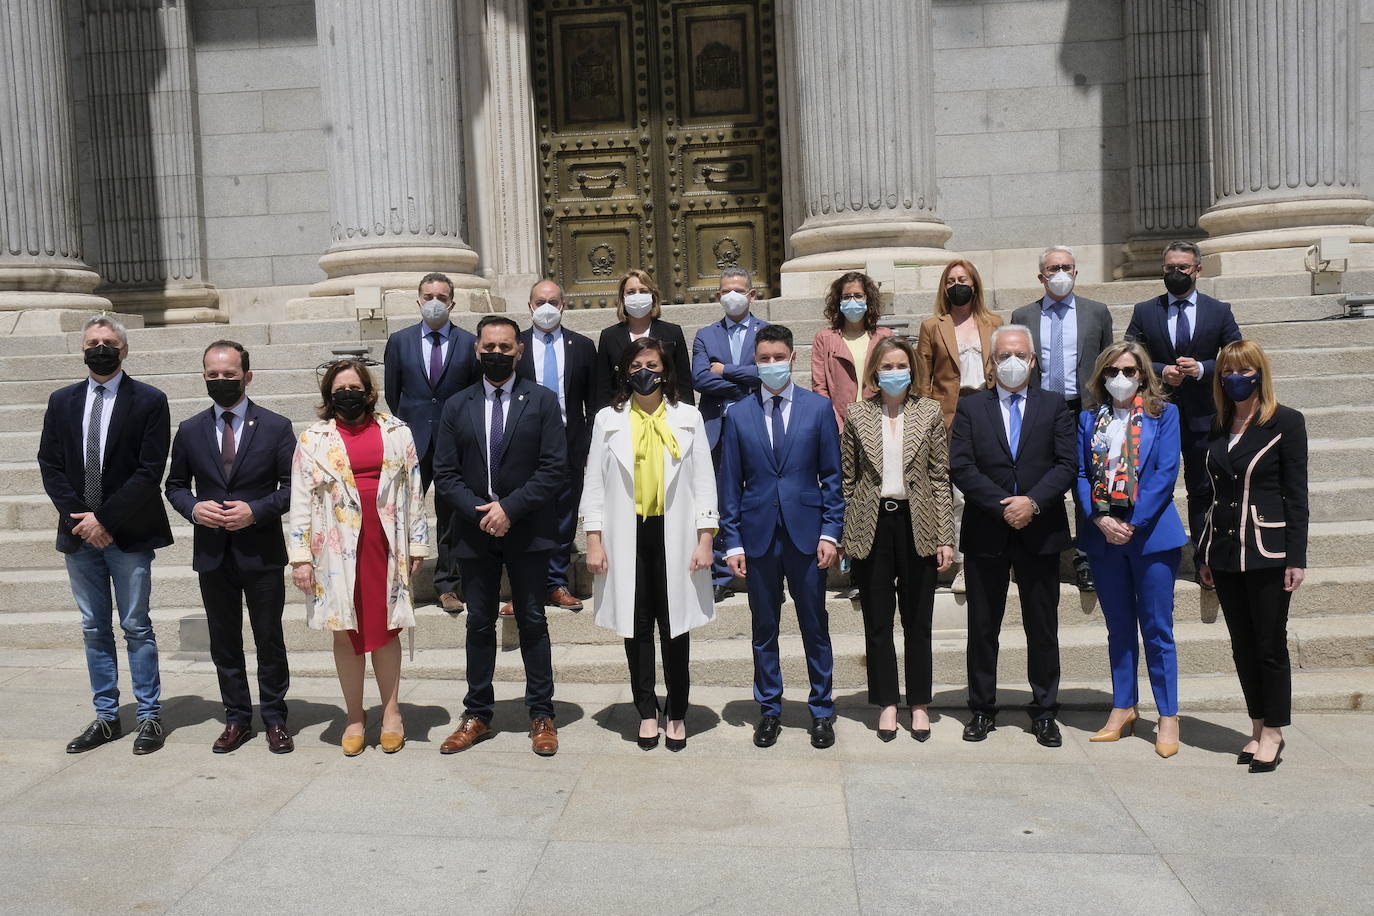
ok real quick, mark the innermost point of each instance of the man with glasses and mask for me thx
(1067, 334)
(1012, 453)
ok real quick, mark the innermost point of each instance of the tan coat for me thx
(925, 469)
(937, 361)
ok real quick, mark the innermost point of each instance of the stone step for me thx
(1349, 421)
(1321, 362)
(148, 365)
(296, 407)
(187, 384)
(1316, 334)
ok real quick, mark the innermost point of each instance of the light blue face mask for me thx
(775, 375)
(854, 309)
(895, 382)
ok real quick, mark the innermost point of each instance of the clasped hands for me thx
(1018, 511)
(496, 522)
(1114, 529)
(1183, 366)
(231, 515)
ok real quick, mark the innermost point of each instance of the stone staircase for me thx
(1323, 367)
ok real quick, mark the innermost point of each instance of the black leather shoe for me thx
(1267, 766)
(722, 592)
(766, 733)
(979, 726)
(1244, 758)
(150, 736)
(921, 734)
(101, 731)
(1084, 576)
(1047, 732)
(279, 739)
(823, 731)
(232, 738)
(887, 734)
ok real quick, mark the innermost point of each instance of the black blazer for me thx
(579, 398)
(135, 457)
(534, 467)
(1259, 510)
(612, 346)
(981, 465)
(261, 477)
(405, 379)
(1215, 327)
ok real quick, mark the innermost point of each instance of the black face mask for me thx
(224, 391)
(349, 403)
(644, 381)
(102, 360)
(959, 294)
(1177, 282)
(497, 367)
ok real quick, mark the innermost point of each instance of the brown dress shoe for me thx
(507, 610)
(543, 737)
(470, 730)
(279, 739)
(451, 603)
(561, 597)
(232, 738)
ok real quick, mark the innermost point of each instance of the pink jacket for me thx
(832, 369)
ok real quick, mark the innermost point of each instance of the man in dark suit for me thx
(1183, 331)
(102, 453)
(723, 372)
(564, 362)
(1067, 335)
(426, 364)
(231, 478)
(781, 516)
(500, 458)
(1012, 454)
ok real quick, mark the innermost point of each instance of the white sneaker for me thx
(957, 586)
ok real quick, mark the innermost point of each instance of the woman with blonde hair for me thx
(638, 306)
(840, 354)
(358, 534)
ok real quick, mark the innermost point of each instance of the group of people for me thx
(693, 470)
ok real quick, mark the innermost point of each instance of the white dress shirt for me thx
(894, 482)
(558, 354)
(106, 409)
(239, 412)
(488, 402)
(1070, 321)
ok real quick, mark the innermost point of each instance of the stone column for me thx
(865, 126)
(1166, 109)
(41, 265)
(393, 144)
(1285, 122)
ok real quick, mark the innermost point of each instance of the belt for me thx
(891, 506)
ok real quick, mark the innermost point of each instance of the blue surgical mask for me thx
(895, 382)
(775, 375)
(854, 309)
(1239, 387)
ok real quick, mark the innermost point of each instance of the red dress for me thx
(364, 446)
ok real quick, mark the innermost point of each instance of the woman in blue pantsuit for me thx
(1128, 458)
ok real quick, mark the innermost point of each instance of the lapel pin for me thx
(251, 422)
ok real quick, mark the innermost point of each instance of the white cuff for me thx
(734, 552)
(826, 537)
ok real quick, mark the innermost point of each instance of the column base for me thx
(56, 320)
(395, 267)
(1272, 236)
(196, 304)
(815, 237)
(1144, 255)
(811, 275)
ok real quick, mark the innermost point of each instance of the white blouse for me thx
(894, 486)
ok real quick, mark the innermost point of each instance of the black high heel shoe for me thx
(675, 744)
(647, 744)
(886, 734)
(1244, 757)
(1268, 766)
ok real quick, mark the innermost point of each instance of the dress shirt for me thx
(488, 389)
(1070, 330)
(735, 332)
(1004, 400)
(239, 412)
(558, 354)
(107, 408)
(445, 338)
(894, 483)
(1191, 311)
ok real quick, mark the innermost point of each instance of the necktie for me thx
(1183, 334)
(1056, 379)
(436, 358)
(778, 432)
(92, 492)
(736, 340)
(1014, 405)
(498, 439)
(550, 364)
(228, 448)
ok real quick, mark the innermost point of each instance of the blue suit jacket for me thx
(804, 492)
(406, 379)
(1215, 328)
(718, 392)
(1156, 521)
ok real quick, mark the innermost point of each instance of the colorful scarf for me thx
(1115, 487)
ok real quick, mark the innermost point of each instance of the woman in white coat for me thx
(649, 511)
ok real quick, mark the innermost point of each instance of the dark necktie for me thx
(1183, 334)
(498, 439)
(228, 448)
(436, 360)
(92, 491)
(778, 431)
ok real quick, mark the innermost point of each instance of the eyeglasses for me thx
(1113, 372)
(1003, 357)
(1056, 268)
(852, 296)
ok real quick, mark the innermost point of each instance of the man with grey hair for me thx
(102, 453)
(1067, 334)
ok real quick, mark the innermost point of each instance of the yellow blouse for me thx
(858, 352)
(651, 434)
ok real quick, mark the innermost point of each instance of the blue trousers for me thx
(92, 571)
(806, 582)
(1136, 592)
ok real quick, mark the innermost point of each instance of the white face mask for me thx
(638, 305)
(735, 303)
(1013, 372)
(434, 312)
(547, 316)
(1121, 388)
(1060, 284)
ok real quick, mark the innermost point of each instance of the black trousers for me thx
(482, 577)
(651, 606)
(1037, 579)
(445, 566)
(1256, 610)
(1195, 478)
(224, 591)
(893, 578)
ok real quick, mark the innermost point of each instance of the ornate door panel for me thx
(658, 144)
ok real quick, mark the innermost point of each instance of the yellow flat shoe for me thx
(391, 742)
(352, 745)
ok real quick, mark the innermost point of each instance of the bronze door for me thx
(658, 144)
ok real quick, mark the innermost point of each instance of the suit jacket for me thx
(982, 466)
(833, 373)
(1094, 321)
(937, 360)
(261, 477)
(1259, 508)
(925, 471)
(533, 468)
(611, 347)
(579, 395)
(131, 471)
(406, 379)
(718, 392)
(1214, 327)
(1157, 525)
(804, 493)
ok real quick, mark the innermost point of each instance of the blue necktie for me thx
(1056, 380)
(1183, 334)
(736, 340)
(498, 439)
(1014, 405)
(778, 431)
(550, 364)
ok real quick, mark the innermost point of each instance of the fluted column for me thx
(1285, 122)
(41, 264)
(864, 121)
(393, 143)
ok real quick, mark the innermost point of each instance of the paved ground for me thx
(946, 826)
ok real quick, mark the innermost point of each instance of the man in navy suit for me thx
(500, 458)
(1183, 331)
(102, 453)
(723, 372)
(426, 364)
(564, 362)
(781, 515)
(231, 478)
(1012, 452)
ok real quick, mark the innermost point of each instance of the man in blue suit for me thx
(1183, 331)
(781, 515)
(723, 373)
(426, 364)
(236, 457)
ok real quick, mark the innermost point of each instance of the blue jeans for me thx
(91, 572)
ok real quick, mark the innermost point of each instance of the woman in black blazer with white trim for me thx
(1254, 543)
(638, 306)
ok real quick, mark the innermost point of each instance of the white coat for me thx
(608, 506)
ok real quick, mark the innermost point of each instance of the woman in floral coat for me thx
(358, 533)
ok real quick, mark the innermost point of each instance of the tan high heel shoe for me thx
(1115, 734)
(1165, 749)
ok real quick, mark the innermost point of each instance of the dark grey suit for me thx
(1094, 335)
